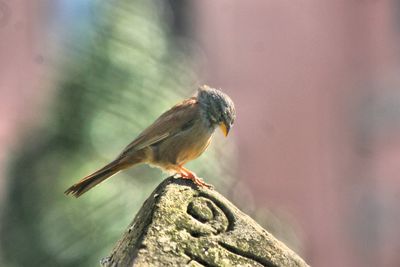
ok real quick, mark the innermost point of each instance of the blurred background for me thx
(314, 155)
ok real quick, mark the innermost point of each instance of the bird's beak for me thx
(224, 128)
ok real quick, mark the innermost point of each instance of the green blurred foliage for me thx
(126, 70)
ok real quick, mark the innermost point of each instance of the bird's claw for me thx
(197, 180)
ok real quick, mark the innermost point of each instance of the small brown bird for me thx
(179, 135)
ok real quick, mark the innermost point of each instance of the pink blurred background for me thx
(21, 69)
(316, 85)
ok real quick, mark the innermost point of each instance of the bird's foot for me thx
(197, 180)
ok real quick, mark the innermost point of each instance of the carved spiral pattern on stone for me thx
(213, 219)
(210, 216)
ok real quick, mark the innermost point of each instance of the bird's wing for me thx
(168, 124)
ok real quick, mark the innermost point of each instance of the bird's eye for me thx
(213, 118)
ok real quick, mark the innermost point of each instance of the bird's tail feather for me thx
(95, 178)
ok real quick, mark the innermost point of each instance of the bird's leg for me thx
(187, 174)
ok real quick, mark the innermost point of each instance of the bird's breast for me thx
(183, 146)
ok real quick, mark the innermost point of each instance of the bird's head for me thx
(217, 107)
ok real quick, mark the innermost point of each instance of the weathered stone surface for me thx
(182, 225)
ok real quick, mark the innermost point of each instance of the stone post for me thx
(183, 225)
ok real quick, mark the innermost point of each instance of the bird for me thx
(179, 135)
